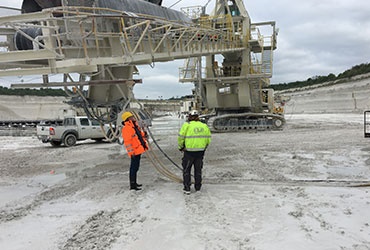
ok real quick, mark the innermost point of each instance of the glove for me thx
(181, 149)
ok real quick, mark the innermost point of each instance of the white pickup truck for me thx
(72, 130)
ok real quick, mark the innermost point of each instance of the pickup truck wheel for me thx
(70, 140)
(55, 143)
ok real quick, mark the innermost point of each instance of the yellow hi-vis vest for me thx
(194, 136)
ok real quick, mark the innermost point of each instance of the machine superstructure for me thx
(103, 42)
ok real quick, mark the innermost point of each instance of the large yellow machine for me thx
(233, 85)
(102, 42)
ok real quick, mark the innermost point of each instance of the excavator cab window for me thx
(233, 8)
(225, 90)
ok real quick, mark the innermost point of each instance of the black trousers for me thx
(134, 168)
(192, 159)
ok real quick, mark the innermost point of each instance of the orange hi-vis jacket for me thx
(135, 143)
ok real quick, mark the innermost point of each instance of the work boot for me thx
(186, 191)
(139, 185)
(133, 186)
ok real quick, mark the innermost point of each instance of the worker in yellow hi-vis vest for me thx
(194, 138)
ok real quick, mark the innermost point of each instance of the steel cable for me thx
(157, 163)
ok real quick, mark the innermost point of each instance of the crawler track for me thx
(245, 121)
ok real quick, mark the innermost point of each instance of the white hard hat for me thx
(194, 112)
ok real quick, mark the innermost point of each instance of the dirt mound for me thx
(32, 107)
(352, 96)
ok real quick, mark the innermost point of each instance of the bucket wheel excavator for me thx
(233, 87)
(99, 43)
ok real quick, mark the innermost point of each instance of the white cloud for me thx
(318, 37)
(162, 81)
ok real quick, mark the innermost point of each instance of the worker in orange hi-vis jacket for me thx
(135, 141)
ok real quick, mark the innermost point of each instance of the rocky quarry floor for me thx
(305, 187)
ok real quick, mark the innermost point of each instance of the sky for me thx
(315, 38)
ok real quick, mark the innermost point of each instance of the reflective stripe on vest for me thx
(194, 136)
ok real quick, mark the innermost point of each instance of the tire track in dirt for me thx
(98, 232)
(56, 192)
(69, 187)
(104, 228)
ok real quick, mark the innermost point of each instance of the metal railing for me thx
(78, 39)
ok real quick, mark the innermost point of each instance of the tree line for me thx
(354, 71)
(34, 92)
